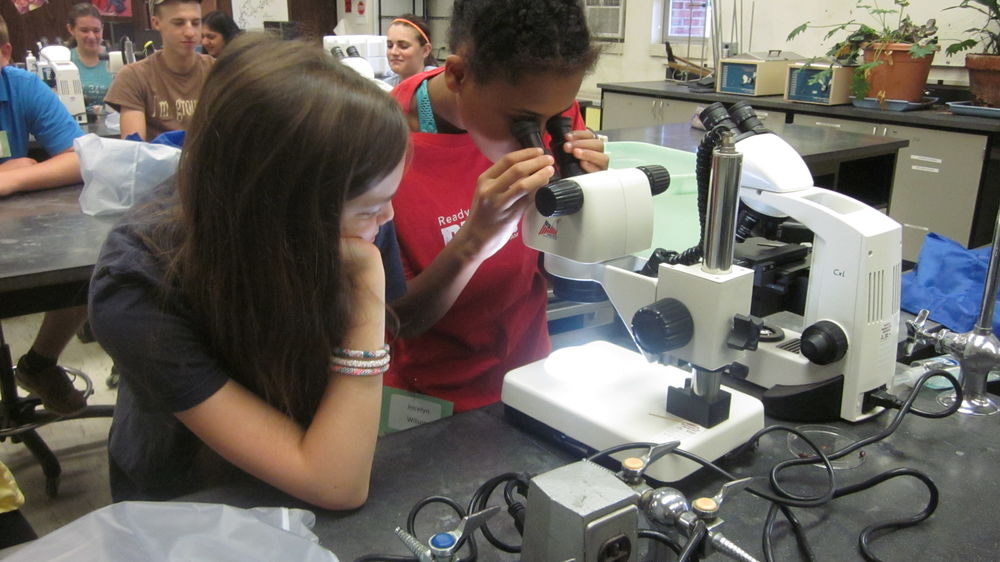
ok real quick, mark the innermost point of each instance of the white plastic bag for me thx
(116, 172)
(175, 531)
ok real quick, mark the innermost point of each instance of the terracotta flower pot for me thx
(900, 76)
(984, 78)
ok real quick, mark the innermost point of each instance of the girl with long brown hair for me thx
(245, 308)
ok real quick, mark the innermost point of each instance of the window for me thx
(606, 19)
(687, 19)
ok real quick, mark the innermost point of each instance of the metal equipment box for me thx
(755, 74)
(803, 85)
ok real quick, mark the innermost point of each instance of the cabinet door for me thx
(621, 111)
(848, 125)
(936, 184)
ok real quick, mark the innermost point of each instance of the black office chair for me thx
(20, 416)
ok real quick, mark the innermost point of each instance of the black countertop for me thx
(937, 117)
(453, 456)
(47, 247)
(816, 145)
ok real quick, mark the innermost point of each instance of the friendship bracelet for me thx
(360, 354)
(358, 372)
(360, 363)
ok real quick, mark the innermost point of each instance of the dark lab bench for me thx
(454, 456)
(945, 180)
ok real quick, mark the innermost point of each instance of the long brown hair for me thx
(283, 135)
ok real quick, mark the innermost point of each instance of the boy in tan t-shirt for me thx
(159, 93)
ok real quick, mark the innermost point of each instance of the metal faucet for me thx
(978, 350)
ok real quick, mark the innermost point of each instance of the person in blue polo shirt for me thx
(29, 107)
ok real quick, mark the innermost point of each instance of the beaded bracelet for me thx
(358, 372)
(360, 354)
(360, 363)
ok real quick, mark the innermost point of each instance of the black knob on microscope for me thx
(658, 176)
(823, 343)
(563, 197)
(662, 326)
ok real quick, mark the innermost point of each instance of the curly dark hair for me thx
(510, 38)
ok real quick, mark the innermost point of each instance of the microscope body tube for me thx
(723, 202)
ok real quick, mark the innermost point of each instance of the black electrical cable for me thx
(482, 495)
(800, 533)
(865, 539)
(661, 538)
(906, 407)
(797, 529)
(412, 517)
(697, 535)
(789, 499)
(889, 401)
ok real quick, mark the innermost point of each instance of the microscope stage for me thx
(603, 395)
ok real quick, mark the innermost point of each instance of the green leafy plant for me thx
(987, 36)
(889, 25)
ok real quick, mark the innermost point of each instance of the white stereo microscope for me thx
(603, 395)
(68, 86)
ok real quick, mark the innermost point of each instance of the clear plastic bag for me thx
(175, 531)
(117, 172)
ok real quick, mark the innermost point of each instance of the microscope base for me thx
(602, 395)
(980, 405)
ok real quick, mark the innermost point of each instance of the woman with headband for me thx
(408, 48)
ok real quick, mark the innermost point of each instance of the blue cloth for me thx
(28, 106)
(948, 281)
(95, 79)
(170, 138)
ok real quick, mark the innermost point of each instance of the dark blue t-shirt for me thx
(165, 362)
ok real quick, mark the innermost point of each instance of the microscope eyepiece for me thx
(715, 115)
(557, 127)
(527, 134)
(746, 118)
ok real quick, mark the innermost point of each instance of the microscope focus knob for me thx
(663, 326)
(824, 342)
(658, 176)
(563, 197)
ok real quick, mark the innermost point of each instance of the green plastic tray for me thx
(677, 226)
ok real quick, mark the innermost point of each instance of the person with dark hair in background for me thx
(475, 304)
(87, 31)
(408, 48)
(217, 29)
(160, 92)
(245, 306)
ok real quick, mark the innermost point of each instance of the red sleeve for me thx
(578, 123)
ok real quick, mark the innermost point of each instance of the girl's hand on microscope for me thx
(503, 192)
(588, 149)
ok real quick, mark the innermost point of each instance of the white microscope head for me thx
(55, 54)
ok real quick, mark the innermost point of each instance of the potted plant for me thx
(896, 53)
(983, 66)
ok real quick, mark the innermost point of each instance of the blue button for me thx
(442, 540)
